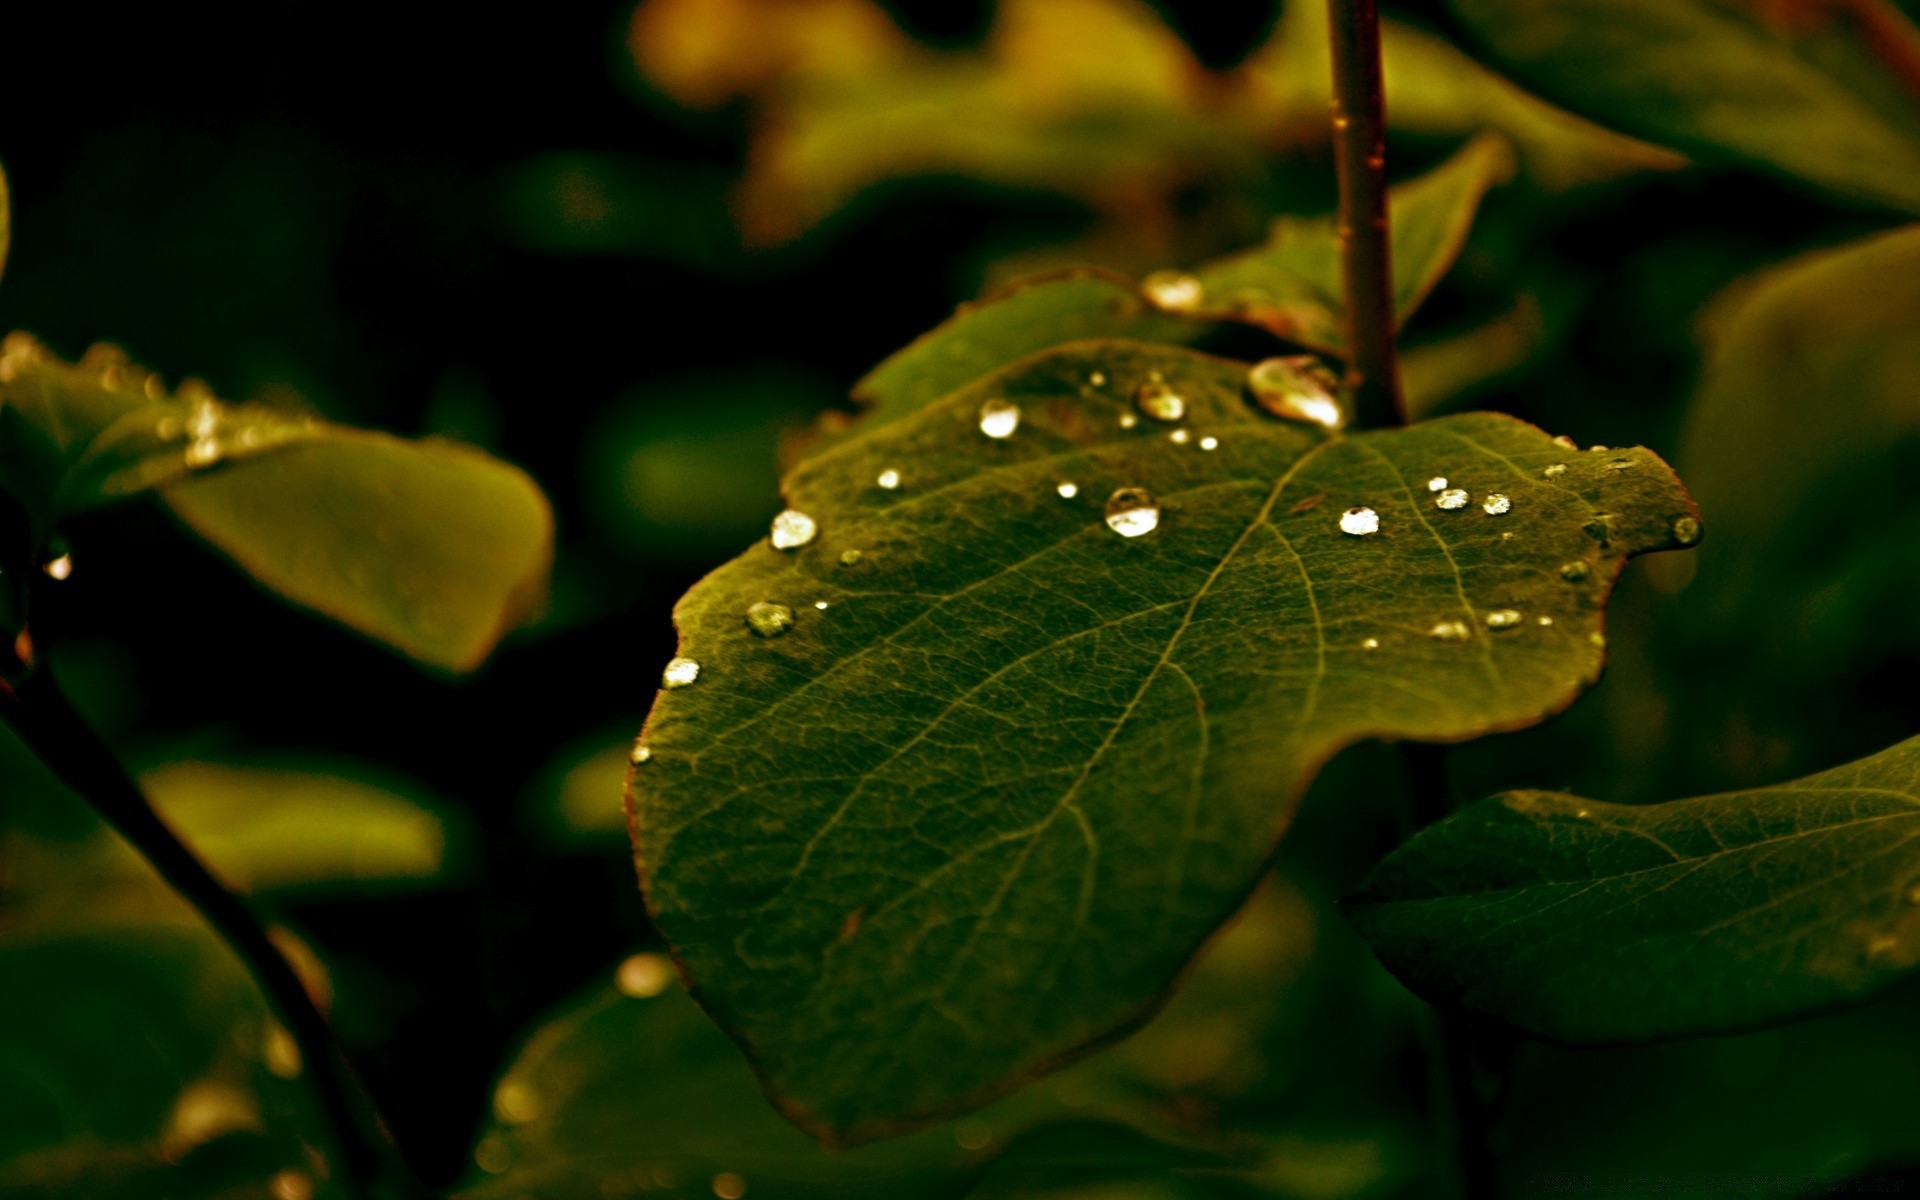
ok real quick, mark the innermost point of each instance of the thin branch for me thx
(41, 713)
(1360, 157)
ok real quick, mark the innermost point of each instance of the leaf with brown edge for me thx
(1001, 770)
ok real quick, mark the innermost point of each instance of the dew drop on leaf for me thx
(1450, 631)
(1496, 505)
(1620, 464)
(1372, 643)
(1209, 443)
(1451, 499)
(821, 605)
(1297, 387)
(889, 479)
(1503, 618)
(1573, 572)
(679, 673)
(998, 418)
(515, 1103)
(1686, 530)
(59, 568)
(792, 529)
(1160, 401)
(1437, 484)
(1180, 437)
(1545, 620)
(1067, 489)
(1128, 420)
(1566, 443)
(768, 619)
(643, 976)
(1132, 511)
(849, 557)
(1554, 470)
(1359, 522)
(1098, 379)
(640, 753)
(1174, 291)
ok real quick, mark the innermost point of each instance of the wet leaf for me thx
(974, 815)
(1583, 921)
(433, 548)
(1714, 80)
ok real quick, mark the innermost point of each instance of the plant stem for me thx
(1360, 157)
(41, 713)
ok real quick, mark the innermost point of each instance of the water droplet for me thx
(849, 557)
(769, 619)
(1160, 401)
(1132, 512)
(1686, 530)
(792, 529)
(1496, 505)
(1620, 464)
(1451, 499)
(1503, 618)
(1545, 620)
(1437, 484)
(1596, 448)
(1179, 437)
(1298, 387)
(998, 418)
(821, 605)
(640, 753)
(1450, 631)
(59, 568)
(515, 1103)
(1566, 443)
(1098, 379)
(679, 673)
(1371, 643)
(643, 976)
(1175, 291)
(290, 1185)
(1574, 571)
(729, 1186)
(1359, 522)
(1128, 420)
(1554, 470)
(1209, 443)
(202, 452)
(889, 479)
(1067, 489)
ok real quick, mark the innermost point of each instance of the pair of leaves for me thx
(1291, 286)
(1584, 921)
(431, 547)
(1819, 102)
(971, 817)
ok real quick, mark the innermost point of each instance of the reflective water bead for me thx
(1574, 571)
(679, 673)
(1686, 530)
(1297, 387)
(821, 605)
(1132, 511)
(1451, 499)
(59, 568)
(1359, 521)
(1209, 443)
(1067, 489)
(1437, 484)
(1544, 620)
(1566, 443)
(643, 976)
(1554, 470)
(1450, 631)
(1128, 420)
(1496, 505)
(792, 529)
(769, 619)
(850, 557)
(1503, 618)
(1175, 291)
(640, 753)
(1098, 379)
(1180, 437)
(889, 479)
(1371, 643)
(999, 418)
(1160, 401)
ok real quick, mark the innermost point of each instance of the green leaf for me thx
(1584, 922)
(974, 815)
(433, 548)
(1292, 285)
(1710, 79)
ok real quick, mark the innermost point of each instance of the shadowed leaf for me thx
(1708, 78)
(1582, 921)
(972, 816)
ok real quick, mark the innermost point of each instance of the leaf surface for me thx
(1709, 78)
(972, 816)
(1583, 921)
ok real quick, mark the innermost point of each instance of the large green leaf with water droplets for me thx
(1583, 921)
(431, 547)
(1810, 102)
(1290, 285)
(974, 815)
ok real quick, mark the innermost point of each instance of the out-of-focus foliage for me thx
(1796, 85)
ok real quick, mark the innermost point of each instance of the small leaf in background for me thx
(1292, 285)
(1583, 922)
(433, 548)
(1046, 701)
(575, 803)
(1715, 79)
